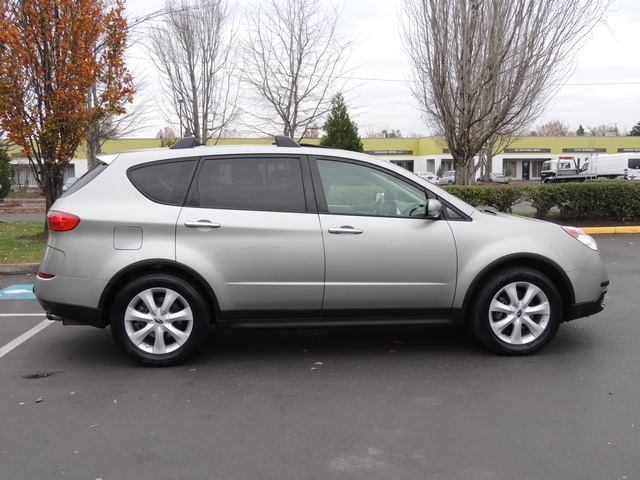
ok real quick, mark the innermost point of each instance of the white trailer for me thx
(623, 165)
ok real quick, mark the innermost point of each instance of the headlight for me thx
(582, 237)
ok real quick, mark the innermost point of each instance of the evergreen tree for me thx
(6, 173)
(580, 131)
(635, 131)
(340, 131)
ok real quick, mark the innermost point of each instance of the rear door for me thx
(250, 227)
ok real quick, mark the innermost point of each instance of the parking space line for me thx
(25, 336)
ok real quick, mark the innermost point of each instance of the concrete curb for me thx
(610, 230)
(19, 268)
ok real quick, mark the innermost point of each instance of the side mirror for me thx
(434, 209)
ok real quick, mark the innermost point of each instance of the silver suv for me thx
(163, 244)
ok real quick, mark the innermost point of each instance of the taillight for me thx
(61, 222)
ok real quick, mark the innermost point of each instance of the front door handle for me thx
(202, 224)
(345, 229)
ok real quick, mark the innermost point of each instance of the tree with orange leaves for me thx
(49, 61)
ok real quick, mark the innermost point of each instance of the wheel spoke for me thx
(531, 293)
(178, 335)
(512, 291)
(499, 307)
(159, 346)
(516, 333)
(148, 300)
(535, 329)
(139, 336)
(134, 315)
(500, 325)
(541, 309)
(169, 298)
(183, 315)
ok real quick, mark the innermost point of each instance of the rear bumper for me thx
(76, 314)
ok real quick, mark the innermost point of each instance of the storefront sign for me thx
(527, 150)
(584, 150)
(629, 150)
(389, 152)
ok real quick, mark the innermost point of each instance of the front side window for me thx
(267, 184)
(354, 189)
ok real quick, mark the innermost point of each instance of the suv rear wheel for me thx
(159, 320)
(516, 312)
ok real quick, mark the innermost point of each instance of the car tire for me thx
(159, 320)
(516, 311)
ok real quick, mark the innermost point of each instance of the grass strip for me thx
(21, 242)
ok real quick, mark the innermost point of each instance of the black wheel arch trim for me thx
(160, 265)
(549, 268)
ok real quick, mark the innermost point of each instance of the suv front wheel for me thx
(159, 320)
(517, 311)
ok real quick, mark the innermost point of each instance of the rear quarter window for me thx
(164, 182)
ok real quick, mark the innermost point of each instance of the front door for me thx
(381, 257)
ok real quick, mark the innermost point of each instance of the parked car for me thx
(495, 178)
(498, 178)
(448, 178)
(430, 176)
(68, 182)
(162, 245)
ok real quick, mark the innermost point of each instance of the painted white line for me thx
(22, 314)
(24, 337)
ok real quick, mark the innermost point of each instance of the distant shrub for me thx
(614, 199)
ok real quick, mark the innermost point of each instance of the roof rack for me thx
(283, 141)
(186, 142)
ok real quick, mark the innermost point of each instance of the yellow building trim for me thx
(416, 146)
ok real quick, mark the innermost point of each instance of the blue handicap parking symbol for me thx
(17, 292)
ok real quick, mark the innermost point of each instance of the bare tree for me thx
(603, 130)
(483, 68)
(193, 45)
(554, 128)
(294, 59)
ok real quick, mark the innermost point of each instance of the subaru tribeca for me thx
(162, 245)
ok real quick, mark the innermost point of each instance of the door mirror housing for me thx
(433, 209)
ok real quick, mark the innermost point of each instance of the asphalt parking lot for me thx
(370, 404)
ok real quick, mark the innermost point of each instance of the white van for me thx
(624, 165)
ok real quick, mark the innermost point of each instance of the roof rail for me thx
(283, 141)
(186, 142)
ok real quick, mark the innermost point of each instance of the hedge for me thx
(614, 199)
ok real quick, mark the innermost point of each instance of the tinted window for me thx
(269, 184)
(164, 182)
(354, 189)
(634, 163)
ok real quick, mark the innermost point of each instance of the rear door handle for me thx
(345, 229)
(202, 224)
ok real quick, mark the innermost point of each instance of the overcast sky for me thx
(605, 88)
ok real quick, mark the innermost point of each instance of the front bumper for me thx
(589, 308)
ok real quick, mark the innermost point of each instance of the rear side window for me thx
(164, 182)
(267, 184)
(634, 163)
